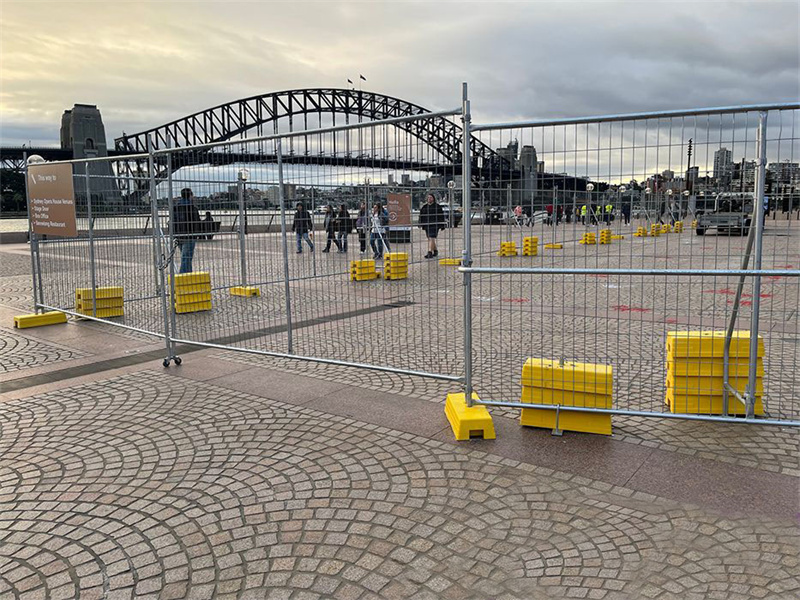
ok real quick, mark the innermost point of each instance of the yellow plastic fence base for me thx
(708, 405)
(34, 320)
(192, 307)
(101, 292)
(553, 246)
(103, 313)
(568, 420)
(246, 291)
(617, 237)
(537, 395)
(364, 276)
(450, 262)
(468, 422)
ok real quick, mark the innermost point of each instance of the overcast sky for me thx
(146, 63)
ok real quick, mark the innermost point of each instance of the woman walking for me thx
(330, 229)
(431, 220)
(378, 231)
(343, 227)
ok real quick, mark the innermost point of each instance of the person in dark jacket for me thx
(431, 220)
(186, 225)
(362, 226)
(344, 225)
(301, 225)
(330, 229)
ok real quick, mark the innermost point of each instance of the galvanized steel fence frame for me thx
(163, 244)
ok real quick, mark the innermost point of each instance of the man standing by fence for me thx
(186, 224)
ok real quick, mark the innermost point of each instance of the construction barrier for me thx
(530, 246)
(363, 270)
(395, 265)
(192, 292)
(109, 302)
(507, 249)
(588, 239)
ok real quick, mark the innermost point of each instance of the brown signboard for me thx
(51, 199)
(399, 207)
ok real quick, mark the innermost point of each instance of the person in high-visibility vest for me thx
(598, 214)
(609, 208)
(584, 211)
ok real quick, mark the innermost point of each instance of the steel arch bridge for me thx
(234, 120)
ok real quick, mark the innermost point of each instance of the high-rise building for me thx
(406, 179)
(509, 154)
(723, 165)
(785, 172)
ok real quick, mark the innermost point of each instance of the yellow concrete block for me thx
(568, 420)
(193, 307)
(709, 386)
(103, 313)
(708, 405)
(554, 246)
(692, 344)
(33, 320)
(101, 292)
(579, 377)
(450, 262)
(537, 395)
(246, 291)
(468, 422)
(713, 367)
(192, 278)
(400, 256)
(192, 298)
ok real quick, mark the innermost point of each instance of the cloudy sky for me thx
(146, 63)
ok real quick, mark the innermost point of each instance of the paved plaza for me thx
(245, 476)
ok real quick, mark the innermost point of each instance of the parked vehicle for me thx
(732, 215)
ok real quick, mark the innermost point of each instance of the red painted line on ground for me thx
(515, 300)
(626, 308)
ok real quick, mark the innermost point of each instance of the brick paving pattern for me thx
(21, 352)
(148, 485)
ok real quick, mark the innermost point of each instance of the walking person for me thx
(343, 227)
(377, 231)
(362, 225)
(301, 225)
(626, 213)
(186, 224)
(431, 220)
(330, 229)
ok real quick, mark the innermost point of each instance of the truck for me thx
(732, 214)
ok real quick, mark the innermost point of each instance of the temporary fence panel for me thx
(113, 251)
(669, 203)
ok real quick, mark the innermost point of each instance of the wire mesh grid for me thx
(596, 193)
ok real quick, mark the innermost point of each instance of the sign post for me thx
(399, 207)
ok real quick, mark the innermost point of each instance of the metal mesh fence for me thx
(279, 221)
(692, 180)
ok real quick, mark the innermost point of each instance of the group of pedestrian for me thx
(338, 225)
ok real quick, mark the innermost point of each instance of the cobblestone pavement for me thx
(152, 486)
(21, 352)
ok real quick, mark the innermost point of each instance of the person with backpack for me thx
(431, 220)
(186, 225)
(344, 226)
(301, 225)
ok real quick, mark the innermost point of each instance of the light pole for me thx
(589, 209)
(450, 244)
(243, 176)
(686, 194)
(647, 192)
(621, 190)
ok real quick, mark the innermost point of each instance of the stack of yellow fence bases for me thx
(246, 291)
(694, 224)
(567, 384)
(588, 238)
(108, 300)
(655, 229)
(363, 270)
(666, 228)
(678, 227)
(192, 292)
(605, 236)
(530, 246)
(507, 249)
(695, 371)
(450, 262)
(640, 232)
(395, 265)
